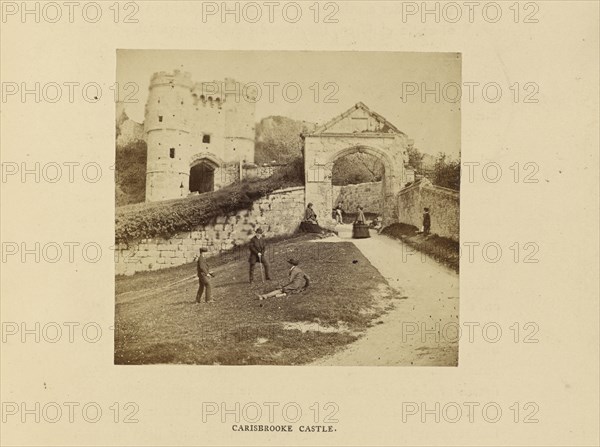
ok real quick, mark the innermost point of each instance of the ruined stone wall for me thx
(368, 195)
(278, 214)
(443, 204)
(130, 132)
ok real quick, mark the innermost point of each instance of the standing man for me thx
(204, 276)
(258, 254)
(426, 221)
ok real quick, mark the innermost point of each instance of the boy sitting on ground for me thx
(298, 282)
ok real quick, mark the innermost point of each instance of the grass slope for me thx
(441, 249)
(158, 322)
(166, 218)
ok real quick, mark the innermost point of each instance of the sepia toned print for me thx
(242, 223)
(251, 229)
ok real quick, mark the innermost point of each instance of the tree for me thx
(357, 168)
(415, 159)
(130, 173)
(278, 139)
(446, 172)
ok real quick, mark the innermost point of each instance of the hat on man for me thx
(293, 261)
(426, 209)
(203, 250)
(259, 231)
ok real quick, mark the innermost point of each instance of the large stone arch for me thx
(356, 130)
(390, 169)
(361, 147)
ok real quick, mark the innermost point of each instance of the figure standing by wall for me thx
(426, 221)
(338, 214)
(360, 218)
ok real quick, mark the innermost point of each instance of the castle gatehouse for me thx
(199, 134)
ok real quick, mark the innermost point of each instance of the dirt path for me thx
(421, 329)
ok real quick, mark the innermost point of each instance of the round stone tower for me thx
(167, 126)
(198, 134)
(239, 107)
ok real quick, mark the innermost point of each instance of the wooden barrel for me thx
(360, 231)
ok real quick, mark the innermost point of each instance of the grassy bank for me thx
(157, 320)
(439, 248)
(166, 218)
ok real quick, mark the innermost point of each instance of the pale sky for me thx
(374, 78)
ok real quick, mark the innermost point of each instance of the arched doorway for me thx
(357, 181)
(383, 193)
(202, 177)
(356, 130)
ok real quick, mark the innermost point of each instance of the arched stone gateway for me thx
(356, 130)
(202, 177)
(205, 172)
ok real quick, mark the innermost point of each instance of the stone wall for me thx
(443, 204)
(260, 171)
(368, 195)
(278, 214)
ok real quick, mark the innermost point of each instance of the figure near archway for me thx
(357, 130)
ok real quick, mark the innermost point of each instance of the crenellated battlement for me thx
(229, 89)
(176, 77)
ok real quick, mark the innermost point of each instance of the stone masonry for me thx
(278, 214)
(368, 195)
(443, 203)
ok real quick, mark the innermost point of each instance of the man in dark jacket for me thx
(204, 275)
(426, 221)
(258, 254)
(298, 281)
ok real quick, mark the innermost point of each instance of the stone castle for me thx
(199, 134)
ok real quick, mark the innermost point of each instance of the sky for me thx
(316, 86)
